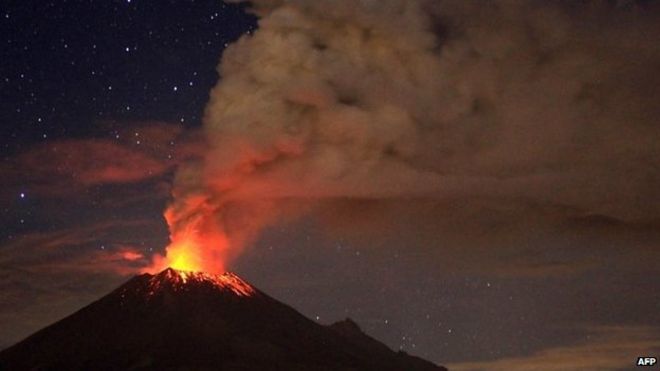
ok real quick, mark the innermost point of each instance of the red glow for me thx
(197, 243)
(131, 255)
(178, 279)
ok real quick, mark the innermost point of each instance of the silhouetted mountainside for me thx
(178, 320)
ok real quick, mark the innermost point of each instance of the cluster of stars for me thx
(70, 66)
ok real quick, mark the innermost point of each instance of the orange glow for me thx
(197, 242)
(184, 253)
(178, 279)
(131, 255)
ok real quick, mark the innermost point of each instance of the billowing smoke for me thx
(403, 99)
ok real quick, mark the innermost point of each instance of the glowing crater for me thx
(180, 279)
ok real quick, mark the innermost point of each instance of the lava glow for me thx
(184, 255)
(191, 252)
(197, 245)
(177, 279)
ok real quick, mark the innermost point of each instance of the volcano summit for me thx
(179, 320)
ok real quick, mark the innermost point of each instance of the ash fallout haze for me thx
(475, 183)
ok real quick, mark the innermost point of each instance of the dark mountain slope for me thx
(178, 320)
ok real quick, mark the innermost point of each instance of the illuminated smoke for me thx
(394, 99)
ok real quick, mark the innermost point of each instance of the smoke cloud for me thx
(548, 104)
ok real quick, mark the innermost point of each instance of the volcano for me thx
(179, 320)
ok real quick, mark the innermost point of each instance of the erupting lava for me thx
(191, 252)
(183, 255)
(197, 244)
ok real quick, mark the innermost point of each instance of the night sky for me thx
(101, 102)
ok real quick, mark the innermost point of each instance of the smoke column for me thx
(393, 99)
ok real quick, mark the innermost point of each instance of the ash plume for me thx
(551, 104)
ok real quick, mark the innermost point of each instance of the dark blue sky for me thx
(68, 65)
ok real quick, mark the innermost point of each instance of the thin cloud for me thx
(74, 249)
(91, 161)
(61, 168)
(606, 348)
